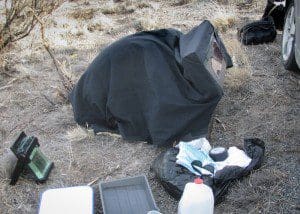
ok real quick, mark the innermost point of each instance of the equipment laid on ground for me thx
(26, 149)
(174, 176)
(129, 195)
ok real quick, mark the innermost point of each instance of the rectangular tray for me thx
(127, 196)
(75, 200)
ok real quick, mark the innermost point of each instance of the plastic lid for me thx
(198, 181)
(218, 150)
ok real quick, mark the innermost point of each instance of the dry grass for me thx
(181, 2)
(142, 4)
(223, 1)
(224, 23)
(238, 77)
(83, 14)
(147, 23)
(117, 9)
(95, 27)
(124, 7)
(78, 134)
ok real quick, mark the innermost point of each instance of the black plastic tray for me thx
(127, 196)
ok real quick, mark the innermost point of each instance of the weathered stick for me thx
(106, 175)
(66, 81)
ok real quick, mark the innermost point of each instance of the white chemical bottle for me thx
(197, 198)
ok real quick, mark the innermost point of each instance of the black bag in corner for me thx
(258, 32)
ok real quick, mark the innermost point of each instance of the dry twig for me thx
(106, 175)
(66, 81)
(220, 122)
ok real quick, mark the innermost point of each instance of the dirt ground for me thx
(261, 99)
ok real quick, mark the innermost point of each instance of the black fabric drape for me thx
(151, 86)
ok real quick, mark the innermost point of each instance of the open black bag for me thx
(174, 177)
(258, 32)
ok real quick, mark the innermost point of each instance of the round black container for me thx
(218, 153)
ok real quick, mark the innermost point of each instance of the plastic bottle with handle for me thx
(197, 198)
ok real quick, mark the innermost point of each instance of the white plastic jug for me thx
(197, 198)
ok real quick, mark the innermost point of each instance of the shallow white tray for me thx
(70, 200)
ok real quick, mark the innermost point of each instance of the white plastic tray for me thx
(70, 200)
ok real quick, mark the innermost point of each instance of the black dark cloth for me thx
(278, 13)
(174, 177)
(152, 86)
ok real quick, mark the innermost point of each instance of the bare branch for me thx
(66, 81)
(19, 20)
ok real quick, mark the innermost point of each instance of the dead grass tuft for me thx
(83, 14)
(124, 7)
(95, 27)
(147, 23)
(238, 77)
(143, 4)
(78, 134)
(224, 23)
(226, 2)
(181, 2)
(117, 9)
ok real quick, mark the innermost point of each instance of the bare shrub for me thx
(20, 18)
